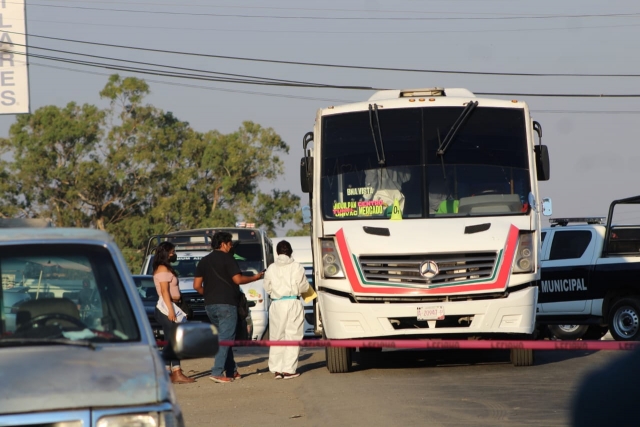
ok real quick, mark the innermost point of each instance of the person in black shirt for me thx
(217, 278)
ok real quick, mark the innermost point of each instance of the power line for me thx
(289, 8)
(562, 95)
(213, 88)
(307, 98)
(183, 75)
(316, 64)
(324, 31)
(215, 79)
(342, 18)
(613, 112)
(265, 80)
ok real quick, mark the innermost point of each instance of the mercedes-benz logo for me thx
(429, 269)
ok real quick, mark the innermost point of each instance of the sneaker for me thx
(221, 380)
(278, 376)
(236, 375)
(289, 376)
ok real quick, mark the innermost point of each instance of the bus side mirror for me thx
(542, 162)
(306, 174)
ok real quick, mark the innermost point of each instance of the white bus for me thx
(425, 218)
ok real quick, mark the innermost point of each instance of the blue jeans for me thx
(225, 318)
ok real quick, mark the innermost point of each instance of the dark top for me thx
(219, 288)
(608, 396)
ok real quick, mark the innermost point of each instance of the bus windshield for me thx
(483, 171)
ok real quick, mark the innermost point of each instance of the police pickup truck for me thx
(590, 275)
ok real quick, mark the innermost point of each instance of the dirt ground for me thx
(446, 388)
(256, 399)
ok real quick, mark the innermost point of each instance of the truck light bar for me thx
(242, 224)
(564, 221)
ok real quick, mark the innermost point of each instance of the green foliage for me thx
(135, 170)
(304, 230)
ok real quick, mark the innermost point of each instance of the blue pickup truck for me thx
(76, 347)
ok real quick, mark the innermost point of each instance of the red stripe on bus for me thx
(499, 283)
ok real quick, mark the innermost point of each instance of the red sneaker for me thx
(236, 375)
(221, 380)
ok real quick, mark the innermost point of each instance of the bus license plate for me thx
(431, 313)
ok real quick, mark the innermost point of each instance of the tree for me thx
(135, 170)
(54, 163)
(304, 230)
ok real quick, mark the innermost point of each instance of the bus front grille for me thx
(405, 269)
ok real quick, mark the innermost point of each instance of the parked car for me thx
(70, 360)
(149, 297)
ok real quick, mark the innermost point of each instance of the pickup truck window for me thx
(543, 235)
(569, 244)
(67, 291)
(624, 240)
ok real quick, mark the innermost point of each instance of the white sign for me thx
(14, 73)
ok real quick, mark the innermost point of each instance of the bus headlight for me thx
(331, 265)
(523, 260)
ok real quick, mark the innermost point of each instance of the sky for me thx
(593, 143)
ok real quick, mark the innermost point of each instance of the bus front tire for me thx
(522, 357)
(338, 359)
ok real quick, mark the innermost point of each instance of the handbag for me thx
(243, 306)
(184, 306)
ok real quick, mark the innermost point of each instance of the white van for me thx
(253, 252)
(301, 246)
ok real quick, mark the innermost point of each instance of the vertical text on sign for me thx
(14, 74)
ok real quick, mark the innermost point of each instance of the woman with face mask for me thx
(167, 313)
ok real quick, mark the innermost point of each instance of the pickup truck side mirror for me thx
(251, 303)
(546, 207)
(194, 340)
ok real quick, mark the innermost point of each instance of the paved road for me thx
(434, 388)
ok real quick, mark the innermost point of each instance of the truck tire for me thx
(595, 332)
(568, 332)
(522, 357)
(624, 319)
(338, 359)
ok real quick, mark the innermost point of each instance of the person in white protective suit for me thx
(284, 281)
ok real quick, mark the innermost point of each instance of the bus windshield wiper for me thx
(379, 154)
(460, 121)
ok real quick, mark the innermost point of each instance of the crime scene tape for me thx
(442, 344)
